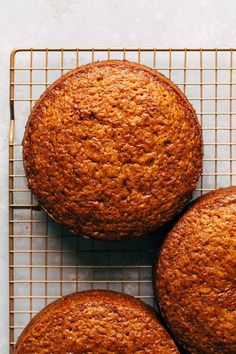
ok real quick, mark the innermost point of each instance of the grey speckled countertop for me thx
(91, 23)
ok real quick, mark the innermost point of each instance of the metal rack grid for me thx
(46, 261)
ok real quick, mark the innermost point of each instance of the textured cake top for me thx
(95, 322)
(196, 283)
(112, 149)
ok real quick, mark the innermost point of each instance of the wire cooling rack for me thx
(46, 261)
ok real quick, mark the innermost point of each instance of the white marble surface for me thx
(45, 23)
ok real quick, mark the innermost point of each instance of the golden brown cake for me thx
(112, 150)
(96, 322)
(195, 279)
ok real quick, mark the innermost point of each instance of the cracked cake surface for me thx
(101, 322)
(195, 275)
(112, 150)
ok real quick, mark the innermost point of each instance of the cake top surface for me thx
(112, 149)
(196, 284)
(95, 322)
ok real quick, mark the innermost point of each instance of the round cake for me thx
(112, 150)
(95, 322)
(195, 279)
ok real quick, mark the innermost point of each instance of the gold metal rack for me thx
(46, 261)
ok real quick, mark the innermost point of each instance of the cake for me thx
(195, 275)
(95, 322)
(112, 150)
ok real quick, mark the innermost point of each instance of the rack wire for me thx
(46, 261)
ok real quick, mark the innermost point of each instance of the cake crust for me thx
(95, 322)
(112, 150)
(195, 275)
